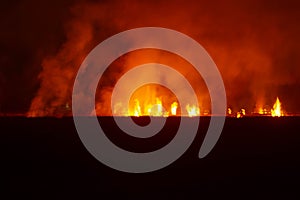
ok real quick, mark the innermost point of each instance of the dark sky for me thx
(30, 30)
(255, 44)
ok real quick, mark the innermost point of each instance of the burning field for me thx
(255, 47)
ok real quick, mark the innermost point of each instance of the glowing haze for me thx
(255, 44)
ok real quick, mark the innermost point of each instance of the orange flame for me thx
(174, 106)
(276, 111)
(229, 111)
(154, 110)
(148, 109)
(137, 108)
(241, 113)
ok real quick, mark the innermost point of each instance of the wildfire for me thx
(154, 100)
(276, 111)
(153, 109)
(192, 110)
(151, 100)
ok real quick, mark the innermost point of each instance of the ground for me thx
(255, 157)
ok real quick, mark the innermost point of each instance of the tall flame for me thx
(276, 111)
(137, 108)
(174, 108)
(229, 111)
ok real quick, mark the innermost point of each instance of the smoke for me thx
(254, 45)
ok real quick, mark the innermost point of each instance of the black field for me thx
(255, 157)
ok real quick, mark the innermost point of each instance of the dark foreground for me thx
(254, 158)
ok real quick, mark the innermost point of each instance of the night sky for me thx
(255, 44)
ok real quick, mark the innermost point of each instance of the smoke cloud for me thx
(255, 45)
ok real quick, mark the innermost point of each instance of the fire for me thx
(153, 100)
(241, 113)
(192, 110)
(137, 108)
(174, 108)
(148, 100)
(147, 109)
(156, 109)
(262, 111)
(229, 111)
(276, 111)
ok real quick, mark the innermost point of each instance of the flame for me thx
(229, 111)
(276, 111)
(174, 106)
(192, 110)
(263, 111)
(150, 101)
(153, 109)
(241, 113)
(148, 109)
(137, 108)
(156, 109)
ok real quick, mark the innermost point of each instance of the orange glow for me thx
(156, 109)
(277, 111)
(148, 100)
(252, 52)
(149, 109)
(192, 110)
(263, 111)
